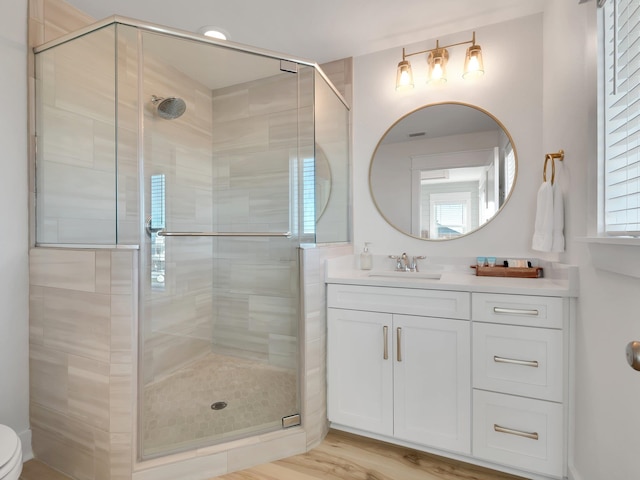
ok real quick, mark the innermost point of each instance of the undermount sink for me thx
(433, 275)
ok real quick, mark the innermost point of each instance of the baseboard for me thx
(25, 439)
(573, 473)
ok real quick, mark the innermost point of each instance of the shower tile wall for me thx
(177, 326)
(314, 387)
(82, 323)
(48, 20)
(255, 141)
(77, 98)
(83, 312)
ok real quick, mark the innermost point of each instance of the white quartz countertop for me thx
(559, 280)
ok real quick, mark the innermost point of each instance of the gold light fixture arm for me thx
(438, 47)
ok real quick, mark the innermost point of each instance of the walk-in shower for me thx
(218, 201)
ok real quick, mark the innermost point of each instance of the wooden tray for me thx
(516, 272)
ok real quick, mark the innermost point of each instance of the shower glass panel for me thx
(217, 162)
(76, 171)
(220, 317)
(331, 177)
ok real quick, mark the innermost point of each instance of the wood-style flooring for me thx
(341, 456)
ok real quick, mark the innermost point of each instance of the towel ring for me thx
(552, 157)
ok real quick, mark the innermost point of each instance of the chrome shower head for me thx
(169, 108)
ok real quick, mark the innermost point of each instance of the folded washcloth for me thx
(543, 233)
(558, 220)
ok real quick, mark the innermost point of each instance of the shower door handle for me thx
(164, 233)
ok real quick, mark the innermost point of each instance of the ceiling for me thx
(320, 31)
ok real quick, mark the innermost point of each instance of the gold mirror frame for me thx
(503, 190)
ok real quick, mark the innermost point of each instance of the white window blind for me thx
(303, 213)
(621, 62)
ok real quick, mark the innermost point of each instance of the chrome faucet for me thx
(414, 262)
(404, 265)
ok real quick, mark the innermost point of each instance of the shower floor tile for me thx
(177, 410)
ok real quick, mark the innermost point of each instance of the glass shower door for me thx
(220, 287)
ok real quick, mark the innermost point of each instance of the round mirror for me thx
(443, 171)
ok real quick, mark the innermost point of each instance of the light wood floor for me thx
(341, 456)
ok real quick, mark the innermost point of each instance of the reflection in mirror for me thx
(443, 171)
(322, 182)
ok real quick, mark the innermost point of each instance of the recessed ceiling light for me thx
(213, 32)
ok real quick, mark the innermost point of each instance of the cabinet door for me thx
(360, 385)
(432, 382)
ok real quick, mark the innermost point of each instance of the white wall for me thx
(14, 322)
(607, 389)
(511, 90)
(547, 101)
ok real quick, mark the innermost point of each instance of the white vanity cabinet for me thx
(519, 381)
(467, 367)
(399, 364)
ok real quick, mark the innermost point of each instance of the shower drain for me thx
(218, 405)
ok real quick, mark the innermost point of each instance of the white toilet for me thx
(10, 454)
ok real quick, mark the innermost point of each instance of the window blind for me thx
(621, 34)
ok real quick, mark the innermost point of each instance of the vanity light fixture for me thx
(437, 59)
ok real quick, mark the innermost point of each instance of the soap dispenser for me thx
(366, 259)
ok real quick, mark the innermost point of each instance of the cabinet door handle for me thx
(385, 337)
(519, 433)
(515, 311)
(399, 343)
(513, 361)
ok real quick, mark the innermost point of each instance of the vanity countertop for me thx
(559, 280)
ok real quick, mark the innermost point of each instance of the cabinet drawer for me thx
(520, 432)
(430, 303)
(524, 310)
(518, 360)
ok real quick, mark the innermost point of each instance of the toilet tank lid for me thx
(9, 442)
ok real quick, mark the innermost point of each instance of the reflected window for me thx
(303, 198)
(510, 170)
(449, 214)
(157, 222)
(308, 196)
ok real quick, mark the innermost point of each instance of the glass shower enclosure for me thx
(218, 161)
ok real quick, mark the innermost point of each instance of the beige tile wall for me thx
(82, 343)
(176, 322)
(83, 318)
(77, 176)
(255, 138)
(315, 340)
(48, 20)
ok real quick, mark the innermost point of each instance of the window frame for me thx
(605, 64)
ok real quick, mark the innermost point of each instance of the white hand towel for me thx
(558, 220)
(543, 233)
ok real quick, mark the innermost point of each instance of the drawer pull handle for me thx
(513, 361)
(519, 433)
(399, 344)
(385, 335)
(515, 311)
